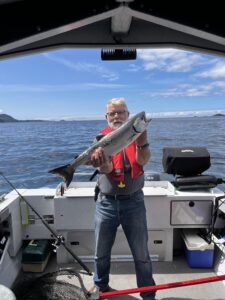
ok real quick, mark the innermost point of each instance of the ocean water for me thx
(29, 150)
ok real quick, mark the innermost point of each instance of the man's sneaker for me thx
(105, 289)
(96, 290)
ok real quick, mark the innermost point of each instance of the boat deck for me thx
(122, 276)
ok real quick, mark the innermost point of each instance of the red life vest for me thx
(118, 160)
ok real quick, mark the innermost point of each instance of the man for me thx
(121, 202)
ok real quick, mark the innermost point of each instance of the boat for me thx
(176, 216)
(182, 216)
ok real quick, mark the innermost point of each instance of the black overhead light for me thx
(118, 54)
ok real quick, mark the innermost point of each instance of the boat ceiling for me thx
(30, 26)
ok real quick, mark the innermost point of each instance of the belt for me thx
(121, 197)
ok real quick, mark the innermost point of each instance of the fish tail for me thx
(66, 172)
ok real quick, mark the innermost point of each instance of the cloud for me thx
(179, 114)
(173, 60)
(217, 71)
(104, 85)
(170, 60)
(12, 88)
(78, 117)
(84, 67)
(216, 88)
(169, 114)
(199, 67)
(18, 88)
(134, 68)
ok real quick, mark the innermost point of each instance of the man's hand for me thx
(98, 157)
(100, 161)
(142, 139)
(143, 155)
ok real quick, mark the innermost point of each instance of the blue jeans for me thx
(131, 214)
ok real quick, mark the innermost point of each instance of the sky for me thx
(75, 84)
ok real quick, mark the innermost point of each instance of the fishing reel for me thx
(58, 242)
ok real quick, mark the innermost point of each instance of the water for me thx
(29, 150)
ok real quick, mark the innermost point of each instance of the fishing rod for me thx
(59, 238)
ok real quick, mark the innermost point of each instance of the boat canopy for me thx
(30, 26)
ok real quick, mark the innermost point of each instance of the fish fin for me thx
(148, 120)
(66, 172)
(99, 137)
(94, 174)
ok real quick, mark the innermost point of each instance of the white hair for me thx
(118, 101)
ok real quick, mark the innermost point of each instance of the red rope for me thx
(162, 286)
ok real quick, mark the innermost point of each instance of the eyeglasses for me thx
(118, 112)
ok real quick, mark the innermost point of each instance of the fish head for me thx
(141, 122)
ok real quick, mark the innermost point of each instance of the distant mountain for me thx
(6, 118)
(219, 115)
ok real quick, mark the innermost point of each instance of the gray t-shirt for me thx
(129, 186)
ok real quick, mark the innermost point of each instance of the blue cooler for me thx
(199, 254)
